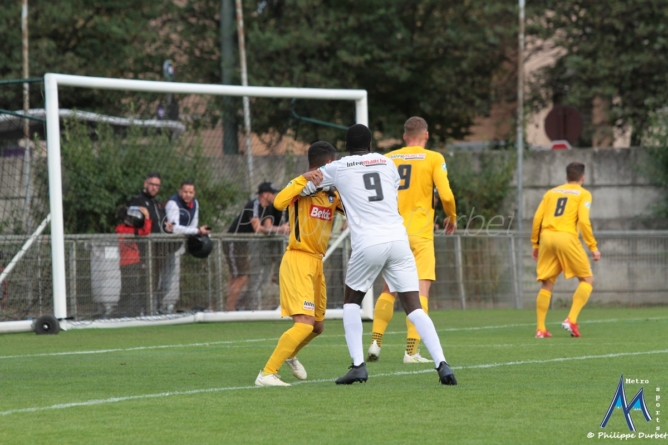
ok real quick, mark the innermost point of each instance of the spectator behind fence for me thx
(183, 213)
(160, 251)
(132, 221)
(265, 259)
(250, 220)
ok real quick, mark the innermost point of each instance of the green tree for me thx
(481, 183)
(119, 38)
(433, 58)
(615, 51)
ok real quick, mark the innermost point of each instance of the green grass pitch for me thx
(194, 384)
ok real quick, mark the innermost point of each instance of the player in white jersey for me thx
(367, 183)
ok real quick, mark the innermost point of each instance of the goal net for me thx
(105, 145)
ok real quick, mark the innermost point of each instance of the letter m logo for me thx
(619, 401)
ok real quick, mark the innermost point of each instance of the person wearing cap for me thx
(253, 218)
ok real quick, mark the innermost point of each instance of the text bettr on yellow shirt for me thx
(420, 171)
(311, 217)
(564, 209)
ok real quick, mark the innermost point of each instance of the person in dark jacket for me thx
(156, 210)
(162, 250)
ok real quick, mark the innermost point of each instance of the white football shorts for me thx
(393, 259)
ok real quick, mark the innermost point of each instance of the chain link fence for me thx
(472, 272)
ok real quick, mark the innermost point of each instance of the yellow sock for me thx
(542, 305)
(305, 342)
(286, 345)
(580, 298)
(382, 314)
(412, 337)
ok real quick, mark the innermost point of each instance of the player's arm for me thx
(585, 225)
(291, 191)
(440, 178)
(535, 228)
(326, 175)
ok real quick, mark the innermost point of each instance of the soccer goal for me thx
(97, 157)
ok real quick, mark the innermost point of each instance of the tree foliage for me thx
(433, 58)
(614, 50)
(480, 182)
(119, 38)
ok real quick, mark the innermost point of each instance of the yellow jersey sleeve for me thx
(537, 223)
(293, 189)
(584, 224)
(440, 178)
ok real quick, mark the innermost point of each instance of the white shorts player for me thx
(368, 187)
(368, 183)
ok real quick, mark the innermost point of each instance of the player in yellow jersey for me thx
(301, 277)
(421, 171)
(563, 212)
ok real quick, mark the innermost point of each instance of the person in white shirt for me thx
(182, 211)
(368, 183)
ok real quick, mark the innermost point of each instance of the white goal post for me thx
(51, 84)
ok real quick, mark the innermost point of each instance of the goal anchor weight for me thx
(46, 324)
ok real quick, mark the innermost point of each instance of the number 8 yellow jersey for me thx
(564, 209)
(420, 171)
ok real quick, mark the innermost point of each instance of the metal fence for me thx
(473, 271)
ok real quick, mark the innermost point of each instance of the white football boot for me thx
(269, 380)
(417, 358)
(297, 368)
(374, 352)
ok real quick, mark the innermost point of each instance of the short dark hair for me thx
(414, 126)
(575, 171)
(187, 182)
(358, 138)
(319, 153)
(150, 175)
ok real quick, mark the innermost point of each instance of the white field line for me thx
(260, 340)
(389, 374)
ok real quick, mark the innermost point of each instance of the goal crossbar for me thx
(53, 81)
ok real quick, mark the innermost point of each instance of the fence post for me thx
(73, 280)
(219, 267)
(149, 264)
(460, 270)
(209, 278)
(516, 254)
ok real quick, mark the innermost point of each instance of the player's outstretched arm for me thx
(315, 176)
